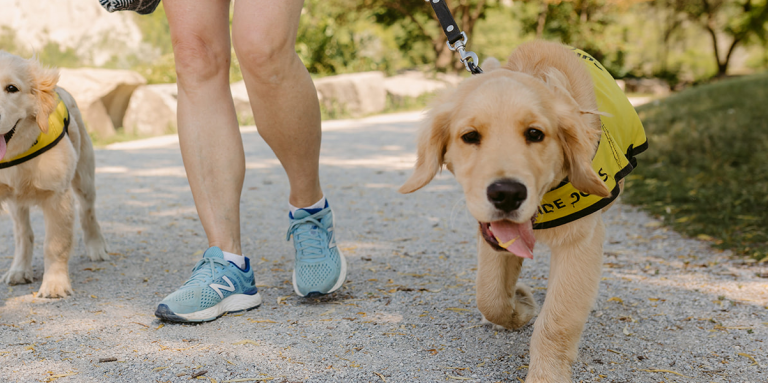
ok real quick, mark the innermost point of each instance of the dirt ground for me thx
(670, 309)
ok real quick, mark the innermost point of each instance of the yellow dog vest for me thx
(622, 139)
(58, 123)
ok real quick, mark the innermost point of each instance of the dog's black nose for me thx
(507, 195)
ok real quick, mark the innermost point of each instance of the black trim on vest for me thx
(631, 153)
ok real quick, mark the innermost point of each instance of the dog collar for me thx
(58, 123)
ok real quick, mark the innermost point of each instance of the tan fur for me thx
(51, 180)
(543, 86)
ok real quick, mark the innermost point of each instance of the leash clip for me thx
(468, 58)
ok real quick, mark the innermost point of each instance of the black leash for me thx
(457, 39)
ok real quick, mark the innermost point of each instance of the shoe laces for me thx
(309, 245)
(204, 271)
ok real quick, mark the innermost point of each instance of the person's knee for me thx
(198, 60)
(264, 56)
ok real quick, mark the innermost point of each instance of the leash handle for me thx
(457, 39)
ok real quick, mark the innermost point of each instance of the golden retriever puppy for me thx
(540, 147)
(46, 159)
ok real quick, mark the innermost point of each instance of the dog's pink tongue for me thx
(2, 147)
(517, 238)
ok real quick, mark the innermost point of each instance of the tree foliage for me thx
(580, 23)
(673, 39)
(420, 24)
(736, 21)
(336, 37)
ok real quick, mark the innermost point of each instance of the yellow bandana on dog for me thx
(622, 139)
(58, 122)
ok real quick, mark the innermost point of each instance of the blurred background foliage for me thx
(681, 41)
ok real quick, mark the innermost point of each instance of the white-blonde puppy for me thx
(46, 159)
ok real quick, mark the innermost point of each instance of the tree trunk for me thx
(542, 20)
(443, 56)
(671, 24)
(721, 68)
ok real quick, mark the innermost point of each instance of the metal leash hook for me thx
(468, 58)
(457, 39)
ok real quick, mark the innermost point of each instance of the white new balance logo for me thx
(332, 239)
(217, 287)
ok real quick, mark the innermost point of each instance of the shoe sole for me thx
(339, 282)
(231, 304)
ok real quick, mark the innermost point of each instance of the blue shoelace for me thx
(308, 246)
(205, 274)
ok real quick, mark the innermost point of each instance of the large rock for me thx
(413, 84)
(451, 78)
(622, 85)
(102, 95)
(355, 94)
(654, 86)
(152, 110)
(83, 25)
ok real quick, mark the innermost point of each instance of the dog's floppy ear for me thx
(44, 89)
(579, 142)
(578, 138)
(432, 143)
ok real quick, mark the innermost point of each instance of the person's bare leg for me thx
(210, 140)
(282, 95)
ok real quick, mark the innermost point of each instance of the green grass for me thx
(706, 171)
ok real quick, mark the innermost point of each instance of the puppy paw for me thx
(97, 250)
(517, 313)
(18, 276)
(55, 287)
(525, 305)
(557, 371)
(493, 325)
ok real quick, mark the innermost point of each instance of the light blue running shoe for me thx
(215, 288)
(319, 267)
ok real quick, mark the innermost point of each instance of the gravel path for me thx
(670, 308)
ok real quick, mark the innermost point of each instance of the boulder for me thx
(412, 84)
(84, 26)
(622, 85)
(152, 110)
(450, 78)
(102, 95)
(355, 94)
(654, 86)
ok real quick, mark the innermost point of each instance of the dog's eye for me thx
(11, 89)
(472, 138)
(534, 135)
